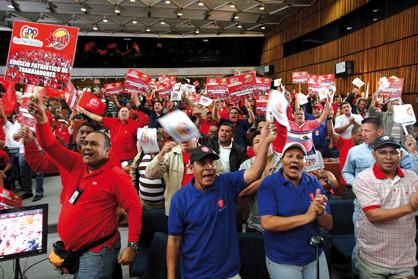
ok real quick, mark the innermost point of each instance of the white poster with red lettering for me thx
(113, 89)
(72, 97)
(175, 96)
(135, 80)
(165, 90)
(299, 77)
(205, 101)
(314, 84)
(277, 105)
(303, 99)
(153, 84)
(263, 85)
(147, 139)
(217, 88)
(242, 87)
(404, 114)
(261, 102)
(188, 89)
(391, 86)
(179, 126)
(195, 98)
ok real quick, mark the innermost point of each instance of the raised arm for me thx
(89, 114)
(331, 133)
(216, 116)
(251, 117)
(324, 113)
(159, 165)
(372, 109)
(259, 165)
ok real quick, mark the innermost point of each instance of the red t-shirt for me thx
(204, 127)
(50, 119)
(133, 114)
(186, 177)
(343, 145)
(64, 134)
(4, 159)
(250, 152)
(143, 119)
(123, 137)
(224, 113)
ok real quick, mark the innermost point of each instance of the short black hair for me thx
(346, 103)
(356, 128)
(234, 108)
(375, 121)
(229, 124)
(158, 101)
(106, 138)
(256, 133)
(88, 124)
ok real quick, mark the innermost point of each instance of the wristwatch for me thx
(328, 182)
(133, 245)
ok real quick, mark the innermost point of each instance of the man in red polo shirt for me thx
(65, 132)
(344, 145)
(95, 189)
(123, 133)
(301, 129)
(207, 123)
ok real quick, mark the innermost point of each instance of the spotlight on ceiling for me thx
(262, 7)
(239, 25)
(10, 5)
(167, 1)
(134, 21)
(104, 19)
(263, 27)
(148, 29)
(197, 31)
(94, 27)
(117, 10)
(83, 8)
(201, 3)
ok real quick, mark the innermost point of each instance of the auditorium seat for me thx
(253, 257)
(326, 248)
(342, 233)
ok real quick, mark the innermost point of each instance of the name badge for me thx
(75, 196)
(188, 169)
(301, 137)
(316, 133)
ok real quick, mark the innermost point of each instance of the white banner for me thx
(314, 162)
(147, 139)
(175, 96)
(178, 125)
(277, 105)
(404, 114)
(358, 82)
(302, 99)
(205, 101)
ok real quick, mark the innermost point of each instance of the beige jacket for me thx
(172, 169)
(192, 105)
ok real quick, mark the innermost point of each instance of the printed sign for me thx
(393, 88)
(135, 80)
(8, 199)
(175, 96)
(217, 88)
(196, 83)
(261, 102)
(314, 162)
(277, 82)
(25, 118)
(179, 126)
(326, 80)
(277, 105)
(302, 99)
(188, 89)
(205, 101)
(72, 97)
(263, 85)
(299, 77)
(91, 103)
(114, 89)
(147, 139)
(165, 90)
(358, 82)
(41, 54)
(242, 87)
(29, 91)
(195, 98)
(331, 93)
(404, 114)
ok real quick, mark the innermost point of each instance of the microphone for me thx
(316, 241)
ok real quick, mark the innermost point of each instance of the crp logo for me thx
(310, 162)
(93, 103)
(262, 98)
(266, 81)
(27, 32)
(296, 74)
(330, 76)
(144, 77)
(233, 80)
(183, 129)
(303, 74)
(258, 80)
(221, 203)
(212, 80)
(409, 111)
(59, 39)
(248, 78)
(312, 196)
(223, 81)
(144, 136)
(396, 81)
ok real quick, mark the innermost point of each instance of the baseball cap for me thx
(201, 152)
(318, 106)
(62, 120)
(386, 140)
(294, 144)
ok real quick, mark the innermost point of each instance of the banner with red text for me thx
(164, 90)
(393, 88)
(135, 80)
(263, 85)
(299, 77)
(72, 97)
(41, 54)
(242, 87)
(217, 88)
(261, 102)
(114, 89)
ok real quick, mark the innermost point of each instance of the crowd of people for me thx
(238, 155)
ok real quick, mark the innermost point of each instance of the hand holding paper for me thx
(179, 126)
(358, 82)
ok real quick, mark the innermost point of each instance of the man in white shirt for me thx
(344, 123)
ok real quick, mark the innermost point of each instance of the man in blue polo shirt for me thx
(202, 221)
(320, 134)
(241, 126)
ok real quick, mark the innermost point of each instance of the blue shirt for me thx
(206, 220)
(319, 134)
(153, 117)
(279, 197)
(240, 132)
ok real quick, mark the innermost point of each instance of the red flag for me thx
(114, 45)
(136, 47)
(9, 99)
(54, 92)
(88, 46)
(123, 53)
(101, 51)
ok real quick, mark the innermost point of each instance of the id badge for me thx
(301, 137)
(74, 197)
(316, 133)
(188, 169)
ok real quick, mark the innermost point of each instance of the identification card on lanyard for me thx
(317, 133)
(75, 196)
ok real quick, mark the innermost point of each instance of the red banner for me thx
(8, 199)
(196, 83)
(299, 77)
(114, 45)
(136, 47)
(91, 103)
(195, 98)
(41, 54)
(242, 87)
(394, 90)
(162, 78)
(164, 89)
(135, 80)
(123, 53)
(327, 80)
(263, 85)
(217, 88)
(114, 89)
(88, 46)
(261, 102)
(154, 84)
(72, 97)
(9, 99)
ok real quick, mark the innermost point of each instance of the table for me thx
(335, 168)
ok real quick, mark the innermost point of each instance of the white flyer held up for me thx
(302, 99)
(147, 139)
(358, 82)
(179, 126)
(205, 101)
(277, 105)
(404, 114)
(175, 96)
